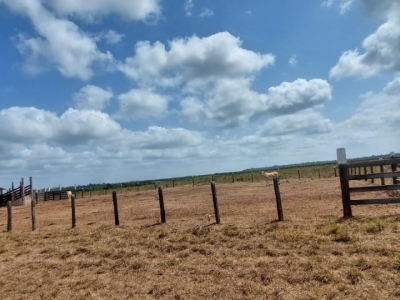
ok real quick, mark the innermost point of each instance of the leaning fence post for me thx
(344, 182)
(9, 216)
(33, 206)
(73, 210)
(215, 202)
(115, 202)
(278, 199)
(161, 200)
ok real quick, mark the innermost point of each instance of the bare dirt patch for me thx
(313, 254)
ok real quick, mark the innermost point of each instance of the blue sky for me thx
(115, 90)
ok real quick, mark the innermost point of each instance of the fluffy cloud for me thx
(293, 60)
(159, 138)
(300, 94)
(19, 124)
(91, 9)
(191, 108)
(307, 122)
(194, 58)
(393, 87)
(231, 102)
(188, 6)
(344, 5)
(382, 48)
(92, 97)
(142, 103)
(61, 44)
(378, 110)
(81, 127)
(28, 124)
(206, 13)
(110, 37)
(214, 75)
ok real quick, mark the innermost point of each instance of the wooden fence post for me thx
(173, 183)
(365, 172)
(394, 168)
(252, 180)
(344, 182)
(215, 202)
(73, 211)
(319, 174)
(33, 205)
(298, 172)
(23, 191)
(192, 180)
(335, 172)
(9, 216)
(382, 178)
(372, 172)
(115, 202)
(278, 199)
(233, 177)
(162, 208)
(155, 185)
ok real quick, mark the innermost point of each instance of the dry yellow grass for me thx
(313, 254)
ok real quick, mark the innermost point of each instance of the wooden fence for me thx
(56, 195)
(347, 172)
(15, 194)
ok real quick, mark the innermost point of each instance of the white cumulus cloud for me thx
(142, 103)
(92, 9)
(60, 44)
(206, 13)
(92, 97)
(194, 58)
(382, 47)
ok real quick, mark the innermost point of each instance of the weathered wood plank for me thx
(375, 175)
(382, 162)
(374, 188)
(375, 201)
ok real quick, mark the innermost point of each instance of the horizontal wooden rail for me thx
(375, 201)
(374, 175)
(373, 163)
(374, 188)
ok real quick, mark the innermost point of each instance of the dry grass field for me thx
(313, 254)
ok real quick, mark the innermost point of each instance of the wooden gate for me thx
(346, 176)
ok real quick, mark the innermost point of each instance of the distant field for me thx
(313, 254)
(317, 171)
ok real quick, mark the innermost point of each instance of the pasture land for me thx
(313, 254)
